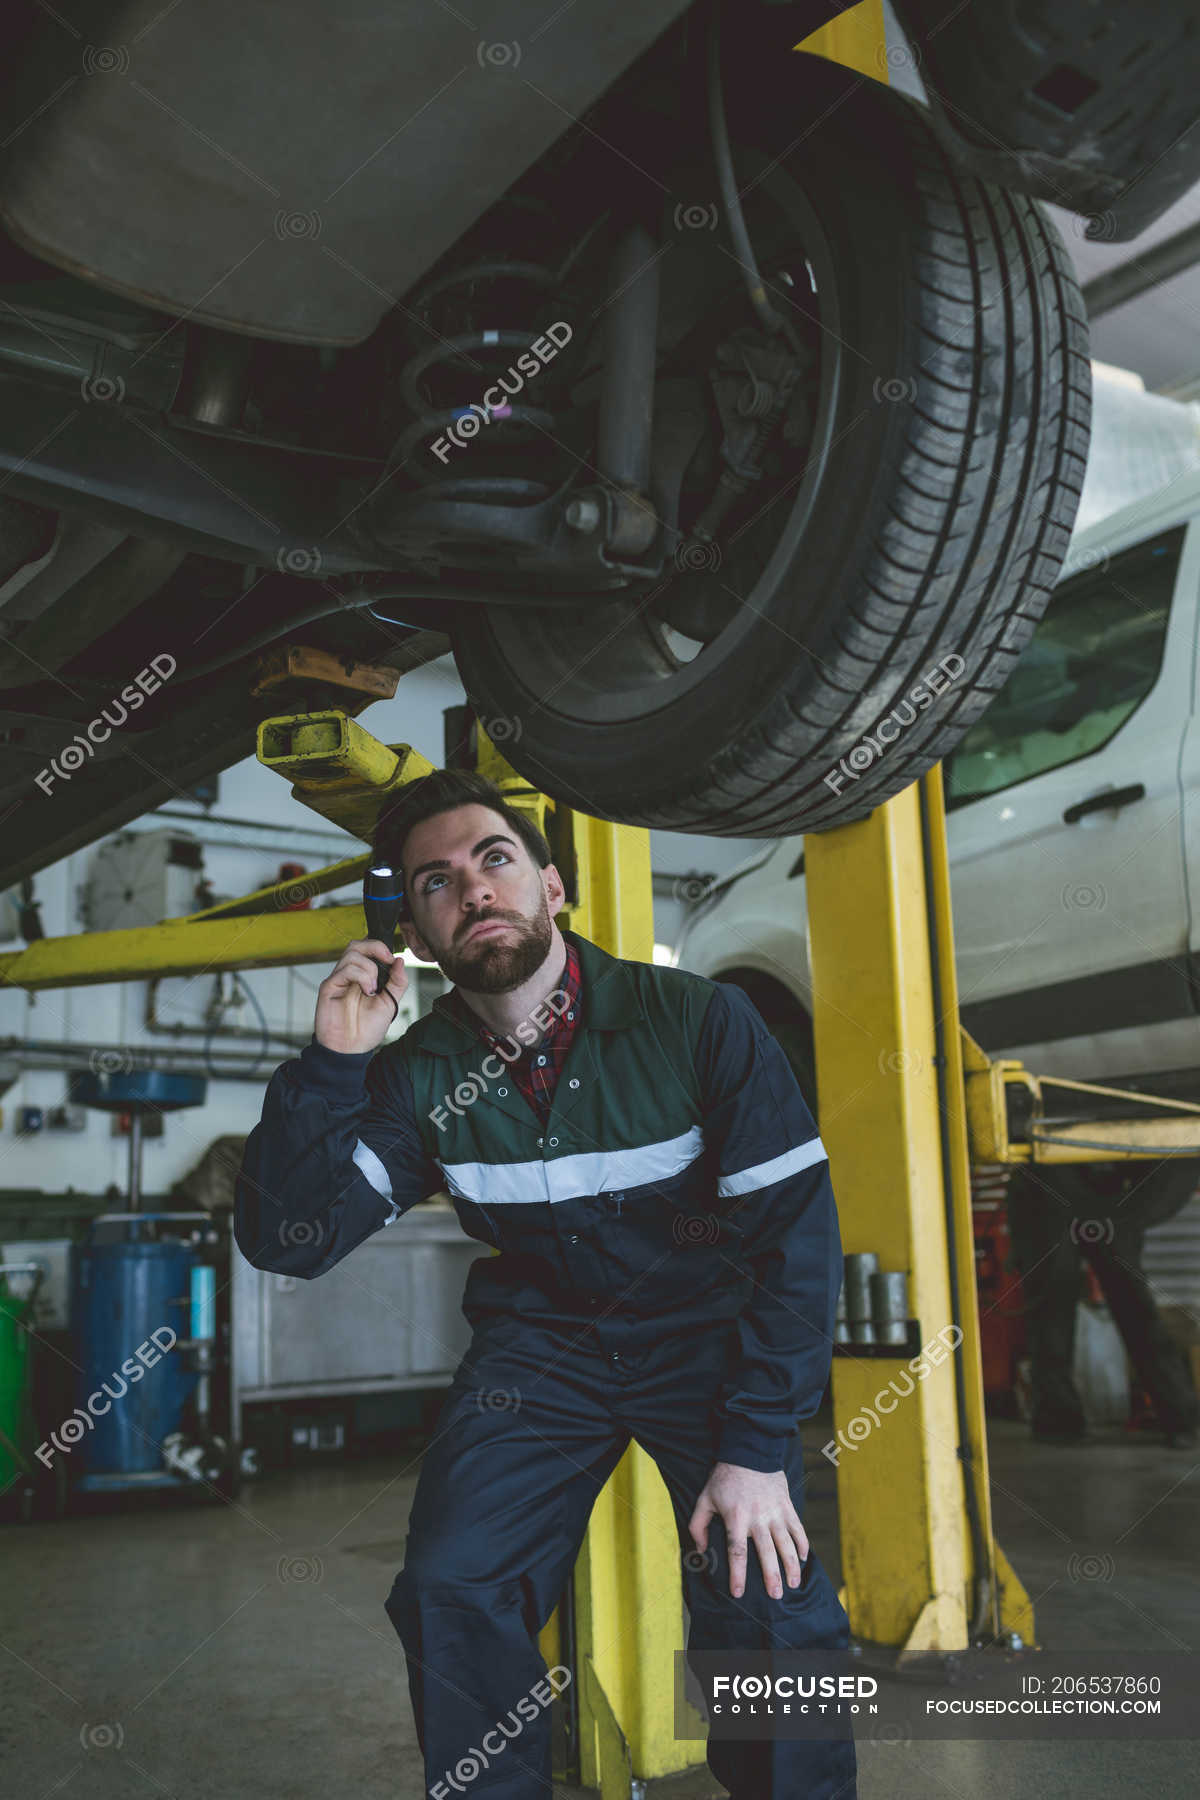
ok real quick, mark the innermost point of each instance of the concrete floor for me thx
(159, 1649)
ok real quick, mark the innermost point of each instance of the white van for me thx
(1073, 825)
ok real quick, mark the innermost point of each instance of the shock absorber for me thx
(485, 423)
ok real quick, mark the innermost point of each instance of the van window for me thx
(1092, 660)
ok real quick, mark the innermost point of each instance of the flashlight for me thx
(383, 903)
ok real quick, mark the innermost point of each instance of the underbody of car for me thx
(700, 394)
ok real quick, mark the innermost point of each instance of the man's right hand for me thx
(351, 1016)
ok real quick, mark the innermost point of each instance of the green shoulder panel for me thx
(629, 1080)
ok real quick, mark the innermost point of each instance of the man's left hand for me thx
(757, 1507)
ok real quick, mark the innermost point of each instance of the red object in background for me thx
(291, 871)
(1142, 1413)
(1001, 1302)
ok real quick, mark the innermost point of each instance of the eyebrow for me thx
(442, 862)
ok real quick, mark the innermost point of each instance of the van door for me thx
(1066, 826)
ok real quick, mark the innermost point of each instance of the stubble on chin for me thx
(489, 971)
(495, 968)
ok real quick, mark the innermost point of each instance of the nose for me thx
(478, 890)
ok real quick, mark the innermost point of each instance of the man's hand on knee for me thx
(754, 1508)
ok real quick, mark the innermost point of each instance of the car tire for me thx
(914, 550)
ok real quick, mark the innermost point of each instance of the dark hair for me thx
(443, 791)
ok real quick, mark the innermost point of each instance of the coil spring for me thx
(444, 382)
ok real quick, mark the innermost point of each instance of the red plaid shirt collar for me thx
(536, 1069)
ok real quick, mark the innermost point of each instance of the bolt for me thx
(582, 515)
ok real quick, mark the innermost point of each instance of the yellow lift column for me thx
(922, 1571)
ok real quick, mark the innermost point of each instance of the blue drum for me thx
(132, 1304)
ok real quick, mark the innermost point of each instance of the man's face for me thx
(481, 908)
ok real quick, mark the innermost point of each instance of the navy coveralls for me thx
(670, 1276)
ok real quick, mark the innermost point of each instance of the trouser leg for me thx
(520, 1452)
(1159, 1361)
(668, 1405)
(1040, 1210)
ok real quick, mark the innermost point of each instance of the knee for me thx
(400, 1606)
(439, 1572)
(427, 1569)
(424, 1568)
(810, 1615)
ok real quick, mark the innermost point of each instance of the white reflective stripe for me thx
(376, 1174)
(562, 1177)
(761, 1175)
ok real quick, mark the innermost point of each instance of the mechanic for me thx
(632, 1140)
(1061, 1212)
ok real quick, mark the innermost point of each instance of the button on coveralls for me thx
(668, 1268)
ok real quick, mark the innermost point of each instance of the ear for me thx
(556, 893)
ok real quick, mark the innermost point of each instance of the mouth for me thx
(488, 925)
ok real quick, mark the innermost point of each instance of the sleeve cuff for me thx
(338, 1073)
(745, 1445)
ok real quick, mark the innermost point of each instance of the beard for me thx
(496, 965)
